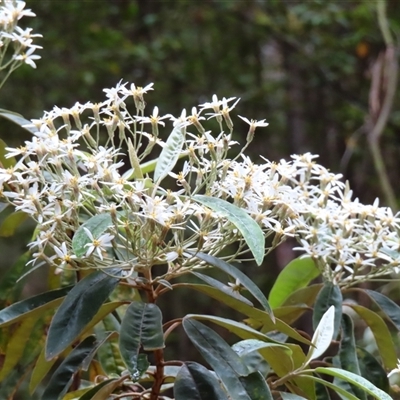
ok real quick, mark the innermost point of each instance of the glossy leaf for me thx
(97, 225)
(244, 280)
(140, 327)
(17, 119)
(291, 396)
(12, 222)
(196, 382)
(305, 296)
(347, 352)
(218, 354)
(383, 337)
(34, 306)
(256, 387)
(62, 378)
(323, 335)
(344, 394)
(388, 306)
(330, 295)
(222, 288)
(170, 153)
(16, 345)
(250, 230)
(41, 369)
(261, 317)
(75, 313)
(102, 390)
(296, 275)
(356, 380)
(372, 370)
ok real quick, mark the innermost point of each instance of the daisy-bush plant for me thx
(130, 204)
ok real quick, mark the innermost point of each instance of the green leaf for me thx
(291, 396)
(9, 288)
(256, 386)
(290, 314)
(140, 327)
(196, 382)
(101, 391)
(260, 316)
(296, 275)
(347, 352)
(218, 354)
(16, 345)
(330, 295)
(383, 337)
(389, 307)
(250, 230)
(222, 288)
(12, 222)
(323, 335)
(372, 370)
(77, 310)
(170, 153)
(97, 225)
(356, 380)
(239, 329)
(304, 296)
(345, 394)
(244, 280)
(6, 162)
(35, 305)
(62, 378)
(17, 119)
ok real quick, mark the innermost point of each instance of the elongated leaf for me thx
(102, 390)
(330, 295)
(222, 288)
(250, 230)
(196, 382)
(347, 353)
(9, 289)
(323, 335)
(239, 329)
(97, 225)
(79, 307)
(291, 396)
(296, 275)
(337, 389)
(63, 375)
(356, 380)
(304, 296)
(170, 153)
(12, 222)
(389, 307)
(256, 386)
(35, 305)
(290, 314)
(261, 317)
(244, 280)
(372, 370)
(17, 119)
(383, 337)
(224, 361)
(16, 345)
(141, 326)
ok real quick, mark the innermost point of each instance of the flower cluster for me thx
(16, 44)
(100, 159)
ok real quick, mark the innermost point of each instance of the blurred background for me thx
(322, 73)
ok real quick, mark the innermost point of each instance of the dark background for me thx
(306, 67)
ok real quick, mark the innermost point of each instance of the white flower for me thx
(98, 244)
